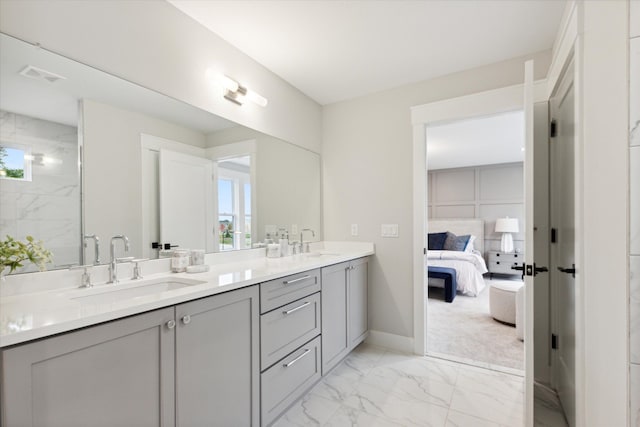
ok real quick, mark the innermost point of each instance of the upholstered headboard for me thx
(460, 227)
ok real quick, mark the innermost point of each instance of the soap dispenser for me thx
(284, 244)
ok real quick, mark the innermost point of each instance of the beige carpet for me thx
(465, 329)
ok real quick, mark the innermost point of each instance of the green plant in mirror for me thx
(13, 253)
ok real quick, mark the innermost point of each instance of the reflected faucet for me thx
(96, 244)
(113, 263)
(304, 248)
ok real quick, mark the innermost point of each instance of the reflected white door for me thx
(186, 201)
(562, 252)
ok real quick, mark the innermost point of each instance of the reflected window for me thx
(234, 203)
(226, 218)
(15, 163)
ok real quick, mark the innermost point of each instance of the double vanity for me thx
(234, 346)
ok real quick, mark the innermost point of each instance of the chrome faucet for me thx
(304, 248)
(113, 263)
(96, 244)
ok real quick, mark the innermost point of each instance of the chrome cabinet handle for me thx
(287, 365)
(171, 324)
(299, 279)
(186, 319)
(293, 310)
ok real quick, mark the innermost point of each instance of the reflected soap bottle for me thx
(284, 244)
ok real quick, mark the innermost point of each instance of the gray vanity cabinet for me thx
(194, 364)
(217, 360)
(115, 374)
(358, 300)
(344, 310)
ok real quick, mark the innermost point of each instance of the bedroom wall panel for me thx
(494, 191)
(501, 183)
(456, 185)
(460, 211)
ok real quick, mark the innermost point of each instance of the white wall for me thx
(485, 192)
(634, 209)
(155, 45)
(602, 197)
(367, 177)
(112, 185)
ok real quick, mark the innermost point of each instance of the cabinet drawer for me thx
(502, 267)
(290, 378)
(287, 328)
(279, 292)
(506, 258)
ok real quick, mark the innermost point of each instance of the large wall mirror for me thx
(86, 154)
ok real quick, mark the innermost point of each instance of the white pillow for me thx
(469, 247)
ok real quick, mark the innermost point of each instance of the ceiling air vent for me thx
(40, 74)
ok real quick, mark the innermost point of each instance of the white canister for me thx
(273, 250)
(197, 257)
(180, 260)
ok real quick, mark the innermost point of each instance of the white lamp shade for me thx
(507, 225)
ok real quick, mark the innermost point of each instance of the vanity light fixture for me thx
(237, 93)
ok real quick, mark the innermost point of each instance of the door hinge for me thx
(554, 341)
(553, 129)
(554, 235)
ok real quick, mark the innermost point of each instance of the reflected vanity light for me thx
(39, 159)
(237, 93)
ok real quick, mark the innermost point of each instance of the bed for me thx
(469, 265)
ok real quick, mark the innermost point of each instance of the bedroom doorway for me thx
(475, 188)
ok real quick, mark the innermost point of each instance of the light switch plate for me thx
(354, 229)
(389, 230)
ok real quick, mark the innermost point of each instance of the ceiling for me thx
(478, 141)
(333, 50)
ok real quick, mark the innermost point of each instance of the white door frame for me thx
(479, 104)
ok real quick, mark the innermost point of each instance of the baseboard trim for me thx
(391, 341)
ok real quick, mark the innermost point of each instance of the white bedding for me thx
(469, 268)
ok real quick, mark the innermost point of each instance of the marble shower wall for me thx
(634, 208)
(48, 206)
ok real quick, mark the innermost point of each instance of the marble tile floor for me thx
(378, 387)
(547, 409)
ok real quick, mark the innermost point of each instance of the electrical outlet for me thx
(294, 229)
(354, 229)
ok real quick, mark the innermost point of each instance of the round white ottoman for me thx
(502, 301)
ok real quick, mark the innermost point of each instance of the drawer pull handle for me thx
(171, 324)
(293, 310)
(186, 319)
(299, 279)
(306, 351)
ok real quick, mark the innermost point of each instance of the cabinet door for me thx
(116, 374)
(217, 360)
(335, 343)
(358, 300)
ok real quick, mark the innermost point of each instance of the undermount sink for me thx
(119, 292)
(320, 254)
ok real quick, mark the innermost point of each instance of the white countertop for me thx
(32, 315)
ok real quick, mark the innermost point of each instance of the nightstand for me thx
(501, 263)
